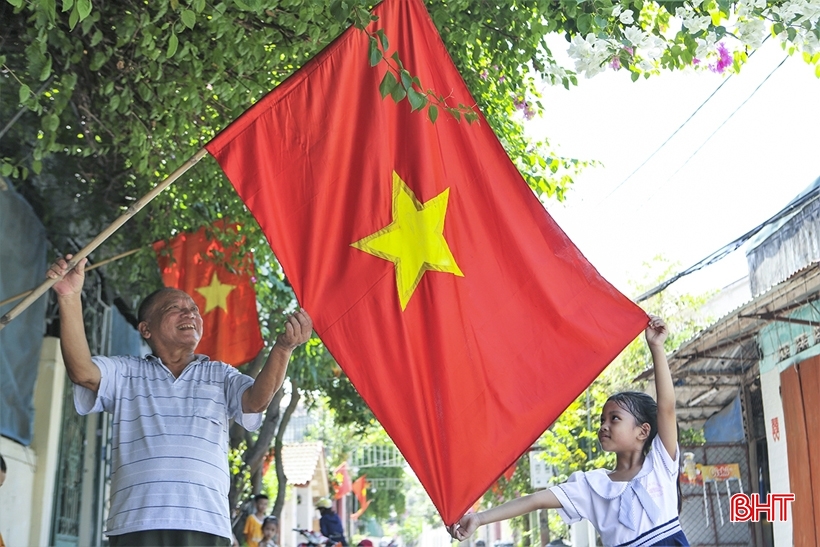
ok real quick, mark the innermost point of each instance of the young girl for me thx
(269, 527)
(636, 504)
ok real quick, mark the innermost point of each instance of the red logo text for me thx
(744, 507)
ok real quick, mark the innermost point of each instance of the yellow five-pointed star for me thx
(414, 242)
(216, 294)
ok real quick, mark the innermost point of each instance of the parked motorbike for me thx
(315, 539)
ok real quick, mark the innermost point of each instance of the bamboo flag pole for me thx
(105, 234)
(88, 269)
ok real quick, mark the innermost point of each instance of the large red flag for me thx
(226, 300)
(461, 312)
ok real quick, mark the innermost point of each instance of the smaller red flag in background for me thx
(508, 475)
(342, 486)
(359, 488)
(226, 300)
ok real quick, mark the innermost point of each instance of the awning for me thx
(709, 369)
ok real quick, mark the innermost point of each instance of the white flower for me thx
(787, 11)
(653, 48)
(635, 35)
(692, 20)
(745, 11)
(698, 23)
(616, 11)
(812, 44)
(752, 32)
(555, 71)
(810, 12)
(705, 45)
(759, 4)
(645, 65)
(590, 54)
(626, 17)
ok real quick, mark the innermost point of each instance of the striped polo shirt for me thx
(169, 458)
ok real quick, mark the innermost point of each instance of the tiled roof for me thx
(300, 461)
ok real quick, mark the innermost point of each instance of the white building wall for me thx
(297, 512)
(16, 495)
(776, 445)
(26, 499)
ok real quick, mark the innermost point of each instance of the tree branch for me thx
(281, 480)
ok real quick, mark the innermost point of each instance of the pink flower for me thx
(695, 61)
(724, 60)
(615, 64)
(484, 74)
(525, 107)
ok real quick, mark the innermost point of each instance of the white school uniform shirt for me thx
(593, 496)
(169, 457)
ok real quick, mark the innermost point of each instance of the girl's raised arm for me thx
(656, 334)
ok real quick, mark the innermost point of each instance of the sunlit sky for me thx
(679, 207)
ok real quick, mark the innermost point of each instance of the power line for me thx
(727, 119)
(669, 138)
(692, 115)
(734, 245)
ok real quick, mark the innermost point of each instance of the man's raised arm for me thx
(76, 354)
(298, 329)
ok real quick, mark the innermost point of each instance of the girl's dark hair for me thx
(268, 520)
(643, 408)
(2, 465)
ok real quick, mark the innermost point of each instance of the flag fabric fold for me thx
(462, 313)
(226, 299)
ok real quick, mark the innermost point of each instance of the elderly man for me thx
(171, 410)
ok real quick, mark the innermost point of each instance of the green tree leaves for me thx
(188, 18)
(173, 44)
(24, 93)
(80, 9)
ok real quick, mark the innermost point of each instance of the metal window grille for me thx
(377, 456)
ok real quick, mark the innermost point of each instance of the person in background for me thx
(253, 524)
(269, 529)
(330, 524)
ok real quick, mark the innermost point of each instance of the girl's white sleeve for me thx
(575, 497)
(662, 458)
